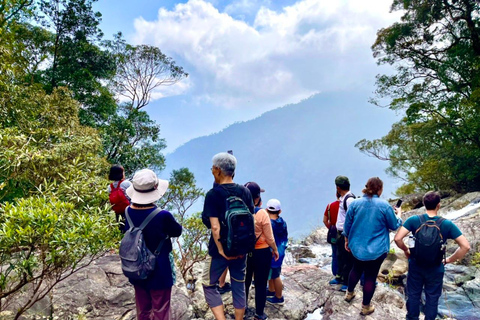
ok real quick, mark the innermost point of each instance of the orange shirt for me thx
(263, 229)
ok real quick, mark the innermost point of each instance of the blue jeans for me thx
(429, 279)
(334, 260)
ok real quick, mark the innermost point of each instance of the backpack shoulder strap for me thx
(439, 221)
(328, 209)
(422, 219)
(118, 185)
(159, 247)
(149, 218)
(350, 195)
(145, 222)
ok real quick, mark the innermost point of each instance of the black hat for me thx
(254, 189)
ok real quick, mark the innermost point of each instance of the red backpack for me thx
(118, 200)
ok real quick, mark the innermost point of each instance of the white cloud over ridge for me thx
(282, 57)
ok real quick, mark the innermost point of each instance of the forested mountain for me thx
(295, 153)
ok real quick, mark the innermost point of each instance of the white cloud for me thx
(308, 47)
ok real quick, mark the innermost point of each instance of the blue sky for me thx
(246, 57)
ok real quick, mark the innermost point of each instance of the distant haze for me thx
(295, 153)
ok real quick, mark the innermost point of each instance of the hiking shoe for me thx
(335, 281)
(249, 313)
(344, 288)
(275, 300)
(366, 310)
(226, 288)
(349, 296)
(262, 317)
(270, 293)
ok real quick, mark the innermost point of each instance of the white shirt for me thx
(341, 211)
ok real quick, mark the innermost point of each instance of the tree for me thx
(435, 50)
(10, 9)
(181, 195)
(77, 60)
(130, 137)
(140, 70)
(54, 215)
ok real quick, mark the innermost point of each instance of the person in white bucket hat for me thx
(152, 295)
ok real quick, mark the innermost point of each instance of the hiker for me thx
(152, 295)
(213, 216)
(330, 219)
(367, 236)
(426, 264)
(258, 265)
(344, 258)
(280, 232)
(117, 194)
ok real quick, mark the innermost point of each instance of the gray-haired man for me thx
(223, 170)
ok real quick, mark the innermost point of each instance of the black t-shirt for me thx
(215, 206)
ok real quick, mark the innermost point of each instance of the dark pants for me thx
(370, 270)
(334, 260)
(344, 260)
(212, 270)
(429, 279)
(259, 265)
(152, 304)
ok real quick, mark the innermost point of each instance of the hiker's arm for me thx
(394, 221)
(326, 222)
(268, 232)
(216, 236)
(402, 233)
(463, 247)
(174, 228)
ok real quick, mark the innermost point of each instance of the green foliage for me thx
(476, 260)
(44, 240)
(436, 52)
(181, 195)
(131, 138)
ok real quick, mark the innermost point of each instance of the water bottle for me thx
(411, 242)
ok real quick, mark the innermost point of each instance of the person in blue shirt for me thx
(367, 226)
(428, 277)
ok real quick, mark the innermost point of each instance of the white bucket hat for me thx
(146, 187)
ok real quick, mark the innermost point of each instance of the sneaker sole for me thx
(276, 303)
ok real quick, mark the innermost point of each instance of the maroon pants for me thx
(153, 304)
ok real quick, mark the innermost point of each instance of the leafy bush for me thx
(44, 240)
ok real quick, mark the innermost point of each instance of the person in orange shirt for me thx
(260, 261)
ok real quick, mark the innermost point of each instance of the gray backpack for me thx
(137, 261)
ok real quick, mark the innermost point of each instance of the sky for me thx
(246, 57)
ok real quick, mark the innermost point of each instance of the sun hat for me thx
(274, 205)
(146, 187)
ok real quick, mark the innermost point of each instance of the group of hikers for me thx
(359, 233)
(249, 243)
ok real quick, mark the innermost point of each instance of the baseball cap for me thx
(274, 205)
(342, 181)
(254, 189)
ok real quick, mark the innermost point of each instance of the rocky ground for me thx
(102, 292)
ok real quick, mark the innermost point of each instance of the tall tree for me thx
(435, 50)
(77, 61)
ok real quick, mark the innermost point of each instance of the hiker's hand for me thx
(275, 255)
(398, 211)
(225, 256)
(346, 247)
(407, 253)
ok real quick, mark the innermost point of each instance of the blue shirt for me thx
(367, 227)
(448, 229)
